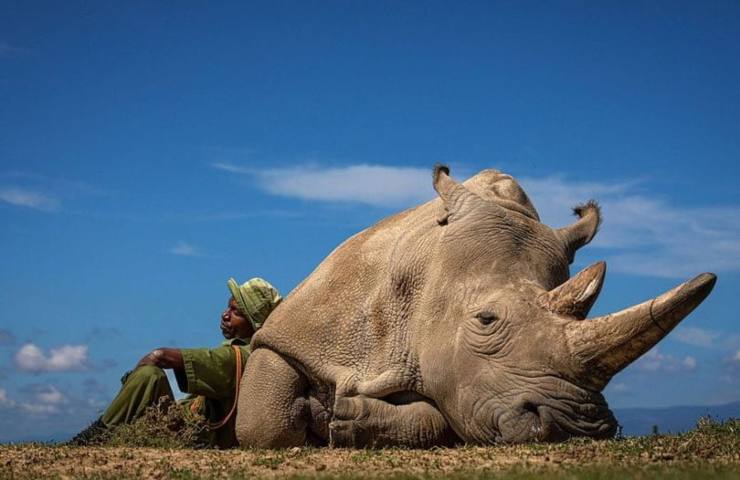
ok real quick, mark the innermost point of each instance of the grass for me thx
(164, 425)
(711, 450)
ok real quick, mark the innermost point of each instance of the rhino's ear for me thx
(581, 232)
(452, 193)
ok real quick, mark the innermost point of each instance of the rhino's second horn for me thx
(576, 296)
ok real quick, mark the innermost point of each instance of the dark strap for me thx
(196, 404)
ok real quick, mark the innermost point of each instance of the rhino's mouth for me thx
(543, 418)
(558, 422)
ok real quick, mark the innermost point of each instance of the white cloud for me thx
(367, 184)
(701, 337)
(40, 408)
(695, 336)
(68, 357)
(50, 395)
(230, 167)
(729, 341)
(31, 358)
(377, 185)
(23, 197)
(731, 365)
(620, 387)
(42, 192)
(644, 234)
(185, 250)
(5, 402)
(101, 404)
(654, 361)
(45, 401)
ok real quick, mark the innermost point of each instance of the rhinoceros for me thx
(453, 322)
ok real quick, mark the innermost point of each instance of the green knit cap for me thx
(255, 299)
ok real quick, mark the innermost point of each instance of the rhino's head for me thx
(510, 355)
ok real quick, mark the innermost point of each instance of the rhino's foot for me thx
(349, 427)
(362, 422)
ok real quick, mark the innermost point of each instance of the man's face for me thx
(233, 323)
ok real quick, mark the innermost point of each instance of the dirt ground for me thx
(698, 454)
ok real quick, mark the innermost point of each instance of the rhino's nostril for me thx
(532, 419)
(529, 407)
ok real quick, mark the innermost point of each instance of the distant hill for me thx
(640, 421)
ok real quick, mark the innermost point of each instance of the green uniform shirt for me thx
(211, 373)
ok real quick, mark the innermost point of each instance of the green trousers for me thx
(145, 386)
(142, 388)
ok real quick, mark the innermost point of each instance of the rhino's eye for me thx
(486, 318)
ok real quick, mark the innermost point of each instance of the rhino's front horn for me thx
(608, 344)
(576, 296)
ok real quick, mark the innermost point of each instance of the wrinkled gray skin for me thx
(455, 321)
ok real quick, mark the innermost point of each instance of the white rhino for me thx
(451, 322)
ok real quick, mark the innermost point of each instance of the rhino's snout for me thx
(528, 422)
(546, 420)
(522, 425)
(519, 422)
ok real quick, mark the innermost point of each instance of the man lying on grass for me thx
(211, 377)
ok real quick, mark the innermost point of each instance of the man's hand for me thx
(163, 358)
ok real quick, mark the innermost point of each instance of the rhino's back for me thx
(338, 320)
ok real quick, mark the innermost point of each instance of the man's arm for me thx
(164, 358)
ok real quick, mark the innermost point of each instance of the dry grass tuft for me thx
(165, 425)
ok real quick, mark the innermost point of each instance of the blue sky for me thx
(147, 153)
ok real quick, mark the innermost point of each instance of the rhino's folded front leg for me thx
(362, 421)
